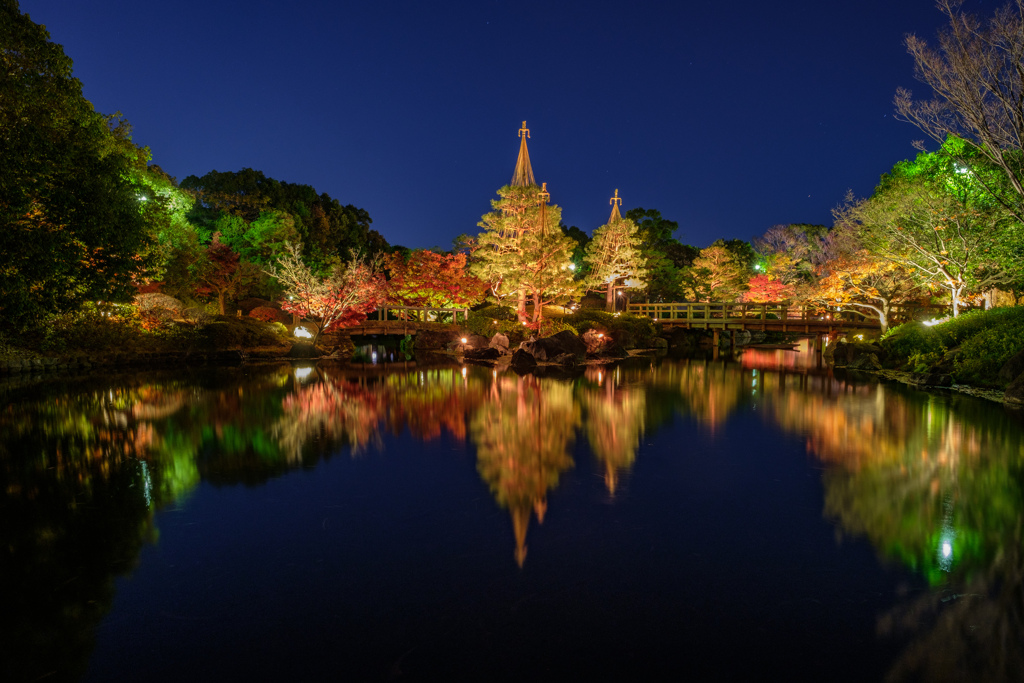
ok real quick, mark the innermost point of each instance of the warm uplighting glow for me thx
(302, 333)
(463, 373)
(600, 335)
(934, 321)
(463, 340)
(572, 266)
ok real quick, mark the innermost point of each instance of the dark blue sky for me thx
(728, 117)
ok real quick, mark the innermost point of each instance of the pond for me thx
(740, 518)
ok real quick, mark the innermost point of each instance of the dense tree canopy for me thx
(73, 229)
(326, 228)
(716, 275)
(927, 219)
(665, 256)
(426, 278)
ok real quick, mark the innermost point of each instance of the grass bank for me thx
(973, 348)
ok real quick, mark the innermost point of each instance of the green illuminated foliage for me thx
(615, 260)
(73, 227)
(715, 275)
(522, 251)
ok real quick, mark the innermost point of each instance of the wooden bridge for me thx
(407, 320)
(764, 317)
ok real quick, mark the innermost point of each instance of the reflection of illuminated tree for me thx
(432, 401)
(972, 633)
(709, 391)
(911, 474)
(73, 516)
(333, 410)
(615, 421)
(522, 436)
(938, 485)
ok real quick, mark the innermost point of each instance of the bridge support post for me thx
(715, 337)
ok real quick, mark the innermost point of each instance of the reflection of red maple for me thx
(332, 409)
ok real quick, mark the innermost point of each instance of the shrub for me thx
(490, 319)
(980, 357)
(230, 332)
(552, 326)
(628, 330)
(92, 327)
(980, 342)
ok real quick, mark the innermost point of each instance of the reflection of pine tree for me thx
(522, 435)
(615, 421)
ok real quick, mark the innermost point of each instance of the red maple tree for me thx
(427, 278)
(763, 289)
(341, 298)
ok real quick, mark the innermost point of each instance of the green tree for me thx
(665, 256)
(930, 219)
(579, 265)
(522, 253)
(977, 81)
(327, 229)
(716, 275)
(615, 260)
(73, 229)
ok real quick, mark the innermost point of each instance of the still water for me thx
(747, 518)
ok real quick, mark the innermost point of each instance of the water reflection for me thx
(522, 433)
(933, 482)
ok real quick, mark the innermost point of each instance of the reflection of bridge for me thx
(408, 320)
(764, 317)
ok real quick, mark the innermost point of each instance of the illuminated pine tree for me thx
(614, 256)
(522, 253)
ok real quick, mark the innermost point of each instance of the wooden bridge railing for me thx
(732, 311)
(421, 314)
(749, 312)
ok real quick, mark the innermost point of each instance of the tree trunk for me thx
(221, 301)
(609, 297)
(521, 310)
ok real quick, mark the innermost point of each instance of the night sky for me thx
(728, 117)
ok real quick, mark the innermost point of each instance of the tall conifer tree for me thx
(614, 256)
